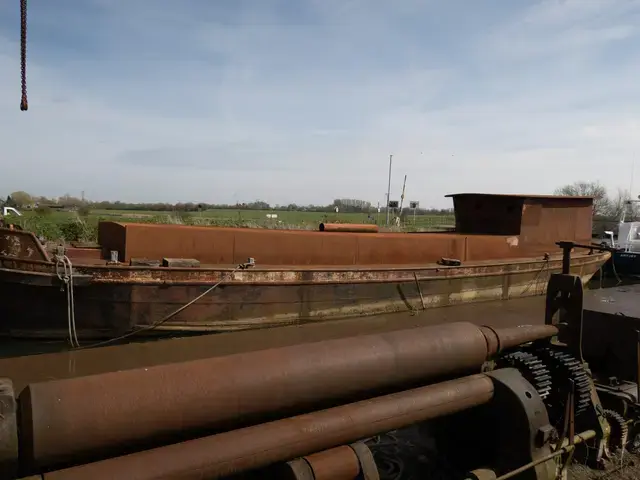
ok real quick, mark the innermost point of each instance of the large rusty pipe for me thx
(258, 446)
(348, 227)
(65, 419)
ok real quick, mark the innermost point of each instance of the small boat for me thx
(152, 279)
(625, 259)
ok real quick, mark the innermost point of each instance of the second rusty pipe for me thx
(348, 227)
(96, 416)
(338, 463)
(249, 448)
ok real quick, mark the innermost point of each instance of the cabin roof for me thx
(519, 195)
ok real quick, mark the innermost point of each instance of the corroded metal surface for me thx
(19, 244)
(538, 221)
(230, 246)
(122, 298)
(348, 227)
(261, 445)
(187, 398)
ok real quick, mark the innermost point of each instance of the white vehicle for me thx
(6, 211)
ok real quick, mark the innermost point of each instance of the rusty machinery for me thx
(523, 398)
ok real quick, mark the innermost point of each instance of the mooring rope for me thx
(66, 277)
(242, 266)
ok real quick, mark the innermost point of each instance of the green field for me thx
(72, 226)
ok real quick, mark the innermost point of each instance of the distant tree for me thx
(69, 201)
(84, 211)
(620, 204)
(21, 198)
(601, 202)
(10, 202)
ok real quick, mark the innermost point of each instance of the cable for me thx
(545, 265)
(24, 104)
(164, 319)
(67, 279)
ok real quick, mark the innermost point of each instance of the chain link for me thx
(24, 105)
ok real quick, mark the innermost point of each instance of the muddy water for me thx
(56, 361)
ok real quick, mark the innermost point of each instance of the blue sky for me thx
(303, 101)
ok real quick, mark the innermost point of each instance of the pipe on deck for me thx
(258, 446)
(349, 227)
(98, 416)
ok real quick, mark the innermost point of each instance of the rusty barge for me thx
(505, 245)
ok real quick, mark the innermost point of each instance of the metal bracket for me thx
(520, 440)
(565, 295)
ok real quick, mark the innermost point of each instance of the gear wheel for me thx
(619, 436)
(531, 368)
(564, 367)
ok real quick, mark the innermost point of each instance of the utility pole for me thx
(389, 188)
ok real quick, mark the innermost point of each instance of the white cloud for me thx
(247, 100)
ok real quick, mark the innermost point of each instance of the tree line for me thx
(24, 200)
(605, 206)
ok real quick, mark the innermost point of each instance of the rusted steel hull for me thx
(112, 300)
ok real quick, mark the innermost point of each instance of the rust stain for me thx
(22, 245)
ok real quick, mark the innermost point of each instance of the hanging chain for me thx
(24, 105)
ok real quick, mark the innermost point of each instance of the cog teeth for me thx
(532, 369)
(619, 428)
(563, 366)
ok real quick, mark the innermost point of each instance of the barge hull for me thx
(118, 301)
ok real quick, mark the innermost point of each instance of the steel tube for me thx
(63, 419)
(339, 463)
(262, 445)
(349, 227)
(504, 338)
(96, 416)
